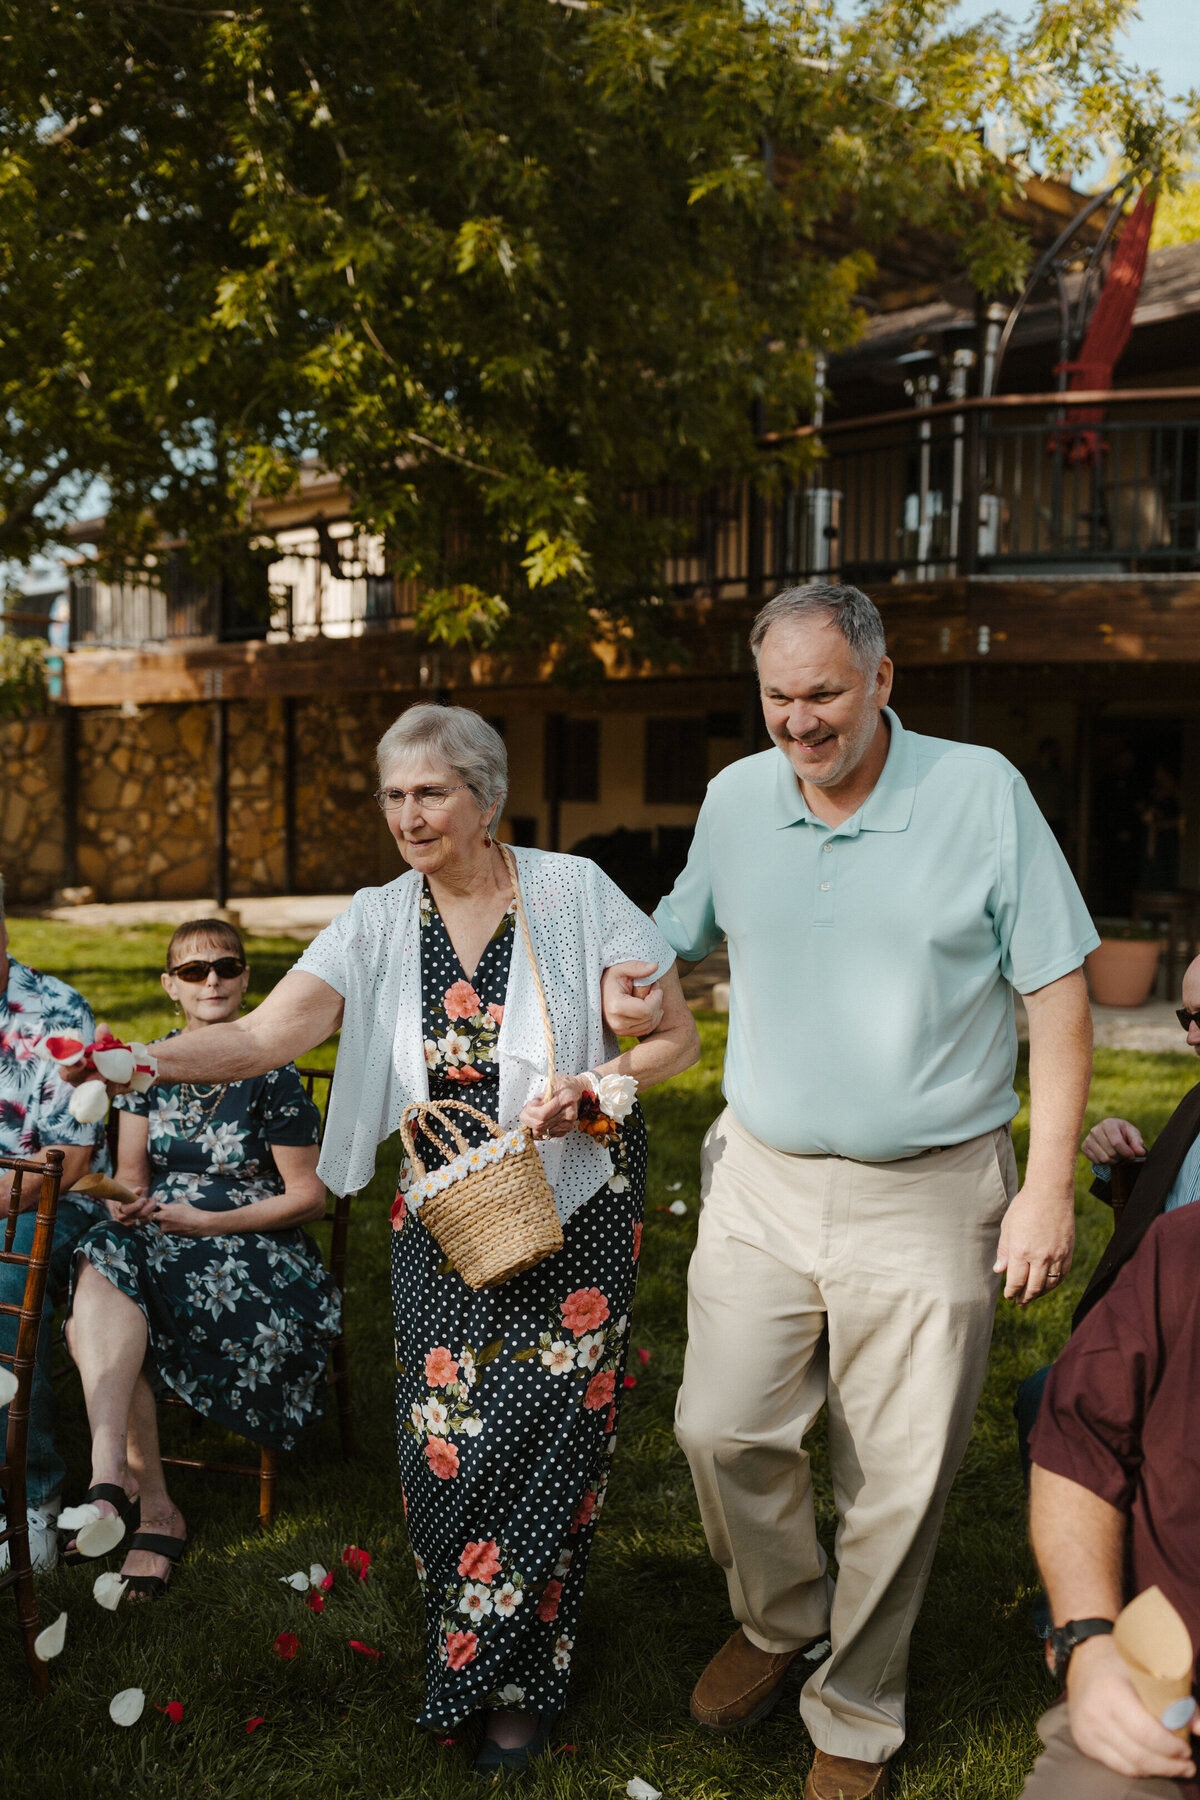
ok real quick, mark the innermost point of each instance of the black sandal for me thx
(153, 1587)
(129, 1511)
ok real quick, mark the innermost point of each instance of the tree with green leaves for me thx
(500, 262)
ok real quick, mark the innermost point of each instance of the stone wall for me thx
(144, 799)
(31, 814)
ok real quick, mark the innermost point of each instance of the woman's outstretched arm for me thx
(296, 1015)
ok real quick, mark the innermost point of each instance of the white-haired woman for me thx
(507, 1400)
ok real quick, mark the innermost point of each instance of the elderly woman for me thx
(507, 1399)
(208, 1278)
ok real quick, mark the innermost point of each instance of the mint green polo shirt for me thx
(873, 963)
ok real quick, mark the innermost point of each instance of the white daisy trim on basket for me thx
(467, 1162)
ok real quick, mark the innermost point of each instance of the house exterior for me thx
(1038, 571)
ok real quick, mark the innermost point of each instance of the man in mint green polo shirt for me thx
(883, 894)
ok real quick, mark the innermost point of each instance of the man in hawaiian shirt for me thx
(34, 1116)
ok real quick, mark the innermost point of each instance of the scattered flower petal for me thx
(113, 1065)
(637, 1789)
(8, 1386)
(447, 1743)
(357, 1561)
(326, 1581)
(127, 1707)
(629, 1381)
(173, 1710)
(253, 1724)
(678, 1207)
(65, 1050)
(673, 1187)
(287, 1644)
(88, 1103)
(100, 1536)
(49, 1642)
(299, 1581)
(563, 1750)
(363, 1649)
(315, 1603)
(107, 1590)
(643, 1356)
(319, 1575)
(72, 1517)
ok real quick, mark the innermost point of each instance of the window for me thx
(676, 761)
(571, 767)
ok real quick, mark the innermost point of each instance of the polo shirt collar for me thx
(889, 805)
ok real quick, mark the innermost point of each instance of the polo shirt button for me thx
(824, 887)
(828, 848)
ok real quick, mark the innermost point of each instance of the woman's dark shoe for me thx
(494, 1759)
(153, 1587)
(129, 1512)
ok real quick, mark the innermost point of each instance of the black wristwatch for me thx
(1064, 1638)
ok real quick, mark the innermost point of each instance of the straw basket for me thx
(490, 1207)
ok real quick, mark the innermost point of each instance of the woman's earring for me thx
(487, 838)
(178, 1008)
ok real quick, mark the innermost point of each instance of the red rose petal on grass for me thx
(643, 1356)
(315, 1603)
(287, 1645)
(173, 1710)
(629, 1381)
(447, 1743)
(357, 1561)
(363, 1649)
(563, 1750)
(253, 1724)
(324, 1586)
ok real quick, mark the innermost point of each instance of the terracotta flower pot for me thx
(1121, 972)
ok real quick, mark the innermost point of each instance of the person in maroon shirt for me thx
(1113, 1510)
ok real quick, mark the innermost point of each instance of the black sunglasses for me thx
(1187, 1019)
(225, 966)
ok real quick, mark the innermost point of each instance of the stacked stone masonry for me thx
(144, 800)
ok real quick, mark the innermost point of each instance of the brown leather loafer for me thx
(740, 1684)
(845, 1778)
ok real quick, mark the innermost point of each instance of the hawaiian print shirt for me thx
(33, 1096)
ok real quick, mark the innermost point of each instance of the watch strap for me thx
(1066, 1638)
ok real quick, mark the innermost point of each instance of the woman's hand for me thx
(182, 1220)
(558, 1116)
(125, 1212)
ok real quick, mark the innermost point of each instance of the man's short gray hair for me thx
(456, 736)
(856, 617)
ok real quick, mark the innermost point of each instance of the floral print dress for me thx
(507, 1400)
(240, 1325)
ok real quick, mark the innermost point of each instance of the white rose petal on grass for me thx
(49, 1642)
(8, 1385)
(127, 1707)
(678, 1207)
(637, 1789)
(101, 1536)
(72, 1517)
(673, 1187)
(88, 1103)
(317, 1572)
(107, 1590)
(300, 1581)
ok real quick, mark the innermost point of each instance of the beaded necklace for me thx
(212, 1095)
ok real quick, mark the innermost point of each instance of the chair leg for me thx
(27, 1612)
(344, 1405)
(268, 1468)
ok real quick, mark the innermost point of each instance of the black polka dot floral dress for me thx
(507, 1400)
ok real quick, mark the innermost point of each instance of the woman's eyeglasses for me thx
(226, 967)
(392, 799)
(1187, 1019)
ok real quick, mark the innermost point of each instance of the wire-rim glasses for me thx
(392, 799)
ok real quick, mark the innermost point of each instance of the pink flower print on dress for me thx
(441, 1370)
(480, 1560)
(442, 1459)
(547, 1606)
(460, 1648)
(496, 1012)
(583, 1512)
(465, 1074)
(637, 1239)
(583, 1310)
(600, 1391)
(461, 1001)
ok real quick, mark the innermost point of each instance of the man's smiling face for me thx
(820, 707)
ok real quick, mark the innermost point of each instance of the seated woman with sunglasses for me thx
(234, 1313)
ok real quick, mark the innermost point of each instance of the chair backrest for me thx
(36, 1263)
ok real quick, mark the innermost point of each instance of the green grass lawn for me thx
(338, 1725)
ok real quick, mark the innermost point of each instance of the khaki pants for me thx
(1062, 1772)
(867, 1287)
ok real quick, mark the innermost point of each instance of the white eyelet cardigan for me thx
(581, 924)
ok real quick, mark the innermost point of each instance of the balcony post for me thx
(965, 545)
(220, 802)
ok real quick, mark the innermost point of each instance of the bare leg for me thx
(159, 1512)
(511, 1730)
(107, 1336)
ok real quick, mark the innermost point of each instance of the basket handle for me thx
(510, 863)
(414, 1114)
